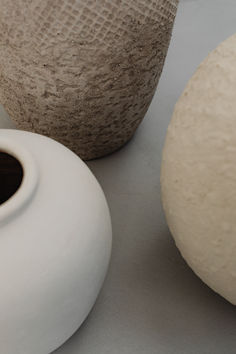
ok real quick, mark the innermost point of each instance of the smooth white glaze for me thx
(199, 171)
(55, 244)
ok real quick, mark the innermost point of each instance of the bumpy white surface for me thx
(199, 171)
(54, 250)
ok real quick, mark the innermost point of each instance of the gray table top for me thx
(151, 302)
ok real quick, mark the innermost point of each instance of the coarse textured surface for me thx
(82, 72)
(198, 171)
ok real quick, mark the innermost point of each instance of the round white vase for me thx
(55, 245)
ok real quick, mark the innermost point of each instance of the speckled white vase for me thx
(55, 245)
(198, 171)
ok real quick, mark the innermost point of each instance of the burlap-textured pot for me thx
(82, 71)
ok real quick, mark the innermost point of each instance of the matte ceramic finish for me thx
(81, 71)
(198, 171)
(54, 248)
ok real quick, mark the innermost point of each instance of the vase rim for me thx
(29, 181)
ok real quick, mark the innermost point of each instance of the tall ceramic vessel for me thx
(82, 71)
(55, 242)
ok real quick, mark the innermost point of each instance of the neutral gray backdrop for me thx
(151, 302)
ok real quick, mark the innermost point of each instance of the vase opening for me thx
(11, 176)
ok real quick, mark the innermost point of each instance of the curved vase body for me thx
(54, 247)
(82, 72)
(198, 171)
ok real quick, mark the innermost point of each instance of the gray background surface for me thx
(151, 301)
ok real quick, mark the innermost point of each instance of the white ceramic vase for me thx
(55, 245)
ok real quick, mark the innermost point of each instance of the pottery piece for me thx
(55, 242)
(198, 171)
(82, 71)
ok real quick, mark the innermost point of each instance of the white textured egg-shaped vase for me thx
(82, 71)
(199, 171)
(55, 242)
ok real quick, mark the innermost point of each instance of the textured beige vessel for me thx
(82, 71)
(199, 171)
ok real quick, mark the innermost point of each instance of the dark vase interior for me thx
(11, 176)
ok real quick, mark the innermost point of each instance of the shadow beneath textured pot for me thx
(111, 153)
(5, 120)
